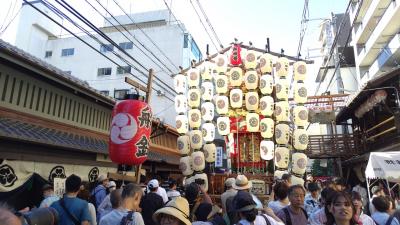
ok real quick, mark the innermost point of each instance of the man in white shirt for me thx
(376, 191)
(160, 191)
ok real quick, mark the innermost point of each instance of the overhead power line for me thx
(209, 23)
(170, 11)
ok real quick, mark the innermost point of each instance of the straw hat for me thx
(177, 207)
(241, 183)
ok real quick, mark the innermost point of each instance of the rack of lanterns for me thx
(243, 94)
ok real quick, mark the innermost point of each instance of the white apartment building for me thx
(41, 37)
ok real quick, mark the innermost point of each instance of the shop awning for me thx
(383, 165)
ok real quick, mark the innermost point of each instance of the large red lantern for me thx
(130, 132)
(235, 57)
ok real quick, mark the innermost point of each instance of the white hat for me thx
(153, 183)
(112, 184)
(178, 208)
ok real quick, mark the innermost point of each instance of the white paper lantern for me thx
(251, 99)
(221, 63)
(267, 106)
(185, 165)
(300, 93)
(282, 133)
(236, 98)
(221, 84)
(223, 125)
(282, 89)
(209, 152)
(194, 116)
(198, 162)
(300, 116)
(299, 163)
(182, 124)
(282, 157)
(266, 63)
(207, 90)
(206, 70)
(202, 176)
(251, 80)
(208, 130)
(181, 104)
(180, 83)
(196, 139)
(300, 71)
(193, 77)
(183, 143)
(188, 180)
(266, 84)
(282, 111)
(267, 127)
(253, 122)
(194, 98)
(300, 139)
(279, 173)
(236, 76)
(297, 181)
(282, 67)
(222, 104)
(267, 149)
(207, 111)
(250, 59)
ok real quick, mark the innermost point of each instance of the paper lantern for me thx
(181, 104)
(297, 181)
(222, 104)
(299, 163)
(180, 83)
(282, 157)
(221, 63)
(194, 116)
(182, 124)
(196, 139)
(267, 106)
(282, 67)
(282, 89)
(266, 84)
(266, 63)
(209, 152)
(299, 71)
(183, 143)
(300, 114)
(188, 180)
(300, 139)
(185, 165)
(282, 133)
(236, 76)
(206, 70)
(267, 127)
(221, 84)
(278, 173)
(198, 162)
(202, 176)
(300, 93)
(207, 111)
(194, 98)
(208, 130)
(282, 111)
(251, 99)
(129, 139)
(250, 59)
(235, 56)
(267, 149)
(236, 98)
(253, 122)
(193, 77)
(207, 91)
(223, 125)
(251, 80)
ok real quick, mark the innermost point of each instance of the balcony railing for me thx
(334, 146)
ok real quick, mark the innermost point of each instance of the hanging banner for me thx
(59, 186)
(219, 157)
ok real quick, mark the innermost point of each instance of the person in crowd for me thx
(72, 210)
(172, 192)
(100, 192)
(311, 201)
(281, 193)
(287, 178)
(48, 195)
(392, 207)
(381, 215)
(84, 194)
(106, 206)
(8, 218)
(175, 212)
(229, 191)
(195, 195)
(127, 213)
(115, 201)
(341, 210)
(294, 214)
(338, 184)
(151, 202)
(160, 191)
(319, 217)
(206, 215)
(246, 209)
(358, 206)
(363, 192)
(376, 192)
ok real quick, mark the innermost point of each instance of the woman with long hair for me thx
(358, 205)
(341, 210)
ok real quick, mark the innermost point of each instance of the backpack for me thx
(230, 210)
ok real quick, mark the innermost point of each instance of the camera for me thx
(42, 216)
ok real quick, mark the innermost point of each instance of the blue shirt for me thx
(48, 201)
(381, 217)
(100, 193)
(77, 207)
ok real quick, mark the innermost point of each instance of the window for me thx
(106, 48)
(126, 45)
(123, 69)
(67, 52)
(185, 41)
(48, 54)
(120, 94)
(196, 51)
(106, 93)
(104, 71)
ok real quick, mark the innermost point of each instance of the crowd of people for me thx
(315, 203)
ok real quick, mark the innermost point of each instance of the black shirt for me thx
(150, 203)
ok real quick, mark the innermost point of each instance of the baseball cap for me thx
(153, 183)
(229, 182)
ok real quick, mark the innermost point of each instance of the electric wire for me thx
(209, 23)
(9, 23)
(170, 10)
